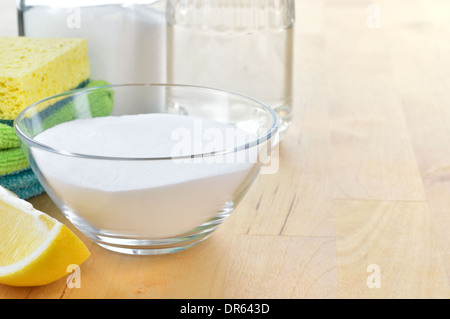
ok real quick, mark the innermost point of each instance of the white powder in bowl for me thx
(151, 199)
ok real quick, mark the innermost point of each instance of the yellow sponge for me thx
(35, 68)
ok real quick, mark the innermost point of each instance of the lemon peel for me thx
(36, 249)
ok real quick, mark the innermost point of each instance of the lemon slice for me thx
(35, 249)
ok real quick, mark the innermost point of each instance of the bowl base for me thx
(148, 247)
(158, 246)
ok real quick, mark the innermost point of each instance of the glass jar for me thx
(245, 46)
(126, 39)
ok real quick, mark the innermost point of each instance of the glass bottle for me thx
(245, 46)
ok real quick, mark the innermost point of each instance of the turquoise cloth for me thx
(23, 183)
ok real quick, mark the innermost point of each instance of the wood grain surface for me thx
(360, 205)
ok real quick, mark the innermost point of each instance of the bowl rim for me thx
(267, 136)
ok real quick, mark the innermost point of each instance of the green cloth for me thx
(8, 138)
(12, 160)
(98, 103)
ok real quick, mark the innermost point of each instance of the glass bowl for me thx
(147, 168)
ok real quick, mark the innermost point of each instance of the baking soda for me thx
(145, 198)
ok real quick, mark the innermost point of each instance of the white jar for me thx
(126, 39)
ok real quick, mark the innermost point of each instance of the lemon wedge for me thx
(35, 249)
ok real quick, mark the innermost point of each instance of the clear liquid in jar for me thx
(245, 48)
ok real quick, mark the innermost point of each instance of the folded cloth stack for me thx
(15, 172)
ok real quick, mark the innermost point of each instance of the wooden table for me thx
(360, 205)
